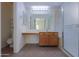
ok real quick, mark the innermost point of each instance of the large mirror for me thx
(38, 18)
(39, 22)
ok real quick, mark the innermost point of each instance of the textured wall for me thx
(18, 26)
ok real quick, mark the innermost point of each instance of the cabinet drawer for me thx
(43, 33)
(53, 33)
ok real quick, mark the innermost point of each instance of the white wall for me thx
(18, 26)
(55, 18)
(71, 28)
(59, 25)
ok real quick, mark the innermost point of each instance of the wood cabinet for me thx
(48, 39)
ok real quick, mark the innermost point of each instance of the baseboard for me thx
(66, 52)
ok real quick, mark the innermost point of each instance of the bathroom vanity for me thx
(46, 38)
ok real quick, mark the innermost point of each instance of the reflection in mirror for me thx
(37, 22)
(40, 22)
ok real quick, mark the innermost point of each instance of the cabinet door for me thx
(53, 42)
(43, 39)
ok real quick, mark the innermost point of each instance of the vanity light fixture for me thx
(40, 7)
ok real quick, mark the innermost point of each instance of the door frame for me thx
(0, 29)
(14, 27)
